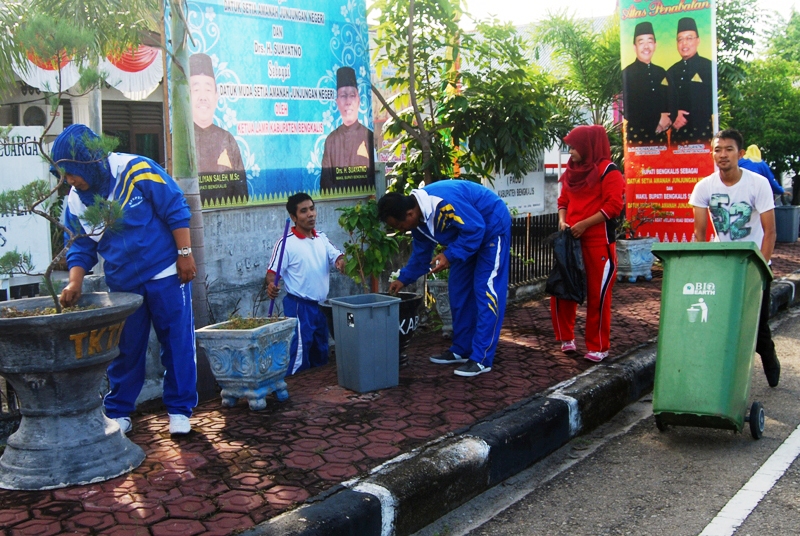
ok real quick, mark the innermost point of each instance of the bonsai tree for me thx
(370, 248)
(49, 29)
(52, 38)
(643, 214)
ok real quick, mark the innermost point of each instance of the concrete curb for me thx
(411, 491)
(784, 293)
(417, 488)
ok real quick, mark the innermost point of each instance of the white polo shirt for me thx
(307, 262)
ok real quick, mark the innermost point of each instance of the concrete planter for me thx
(439, 289)
(57, 364)
(634, 259)
(249, 363)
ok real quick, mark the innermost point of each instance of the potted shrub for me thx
(56, 360)
(634, 257)
(249, 357)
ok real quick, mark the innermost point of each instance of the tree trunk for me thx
(184, 155)
(184, 170)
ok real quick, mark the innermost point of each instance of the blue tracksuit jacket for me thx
(143, 246)
(475, 226)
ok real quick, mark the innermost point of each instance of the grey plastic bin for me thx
(367, 341)
(787, 222)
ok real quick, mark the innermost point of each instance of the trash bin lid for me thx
(664, 250)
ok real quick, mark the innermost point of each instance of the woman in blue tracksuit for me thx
(474, 225)
(147, 253)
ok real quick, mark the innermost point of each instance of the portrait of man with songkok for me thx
(219, 162)
(691, 84)
(645, 92)
(348, 159)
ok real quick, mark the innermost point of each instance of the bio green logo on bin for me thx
(708, 289)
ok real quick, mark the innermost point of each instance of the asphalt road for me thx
(628, 478)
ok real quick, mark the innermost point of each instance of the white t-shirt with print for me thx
(735, 210)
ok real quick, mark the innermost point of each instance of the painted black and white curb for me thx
(414, 489)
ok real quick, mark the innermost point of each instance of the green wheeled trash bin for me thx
(710, 303)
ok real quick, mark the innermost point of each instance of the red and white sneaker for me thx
(569, 347)
(596, 356)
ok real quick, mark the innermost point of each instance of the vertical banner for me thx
(22, 164)
(669, 81)
(281, 99)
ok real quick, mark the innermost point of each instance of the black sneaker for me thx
(473, 368)
(448, 358)
(773, 372)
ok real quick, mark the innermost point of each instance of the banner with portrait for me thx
(281, 99)
(668, 53)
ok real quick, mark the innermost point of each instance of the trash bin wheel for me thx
(756, 419)
(660, 424)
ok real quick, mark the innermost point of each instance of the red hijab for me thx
(591, 142)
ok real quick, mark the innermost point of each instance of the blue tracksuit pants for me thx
(478, 287)
(168, 305)
(310, 349)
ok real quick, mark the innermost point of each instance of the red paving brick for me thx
(239, 467)
(225, 523)
(36, 527)
(13, 516)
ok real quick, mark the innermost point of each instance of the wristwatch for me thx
(185, 252)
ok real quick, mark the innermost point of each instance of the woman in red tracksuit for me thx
(591, 197)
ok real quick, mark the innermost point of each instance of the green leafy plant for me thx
(643, 214)
(370, 248)
(458, 102)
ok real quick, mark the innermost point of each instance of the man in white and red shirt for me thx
(305, 273)
(742, 208)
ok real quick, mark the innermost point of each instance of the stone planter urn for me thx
(439, 289)
(56, 364)
(249, 363)
(634, 259)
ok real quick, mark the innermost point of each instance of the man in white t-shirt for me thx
(305, 273)
(742, 208)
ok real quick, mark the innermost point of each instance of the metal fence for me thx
(531, 257)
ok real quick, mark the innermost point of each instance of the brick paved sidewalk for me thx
(240, 468)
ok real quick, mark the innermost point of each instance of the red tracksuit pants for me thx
(600, 262)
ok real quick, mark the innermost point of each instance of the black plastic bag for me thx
(567, 280)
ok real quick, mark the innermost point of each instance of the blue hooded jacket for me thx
(153, 206)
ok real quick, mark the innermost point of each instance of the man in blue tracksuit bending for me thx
(474, 225)
(149, 253)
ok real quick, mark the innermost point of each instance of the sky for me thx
(524, 11)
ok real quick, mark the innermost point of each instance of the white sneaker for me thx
(125, 425)
(596, 356)
(179, 424)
